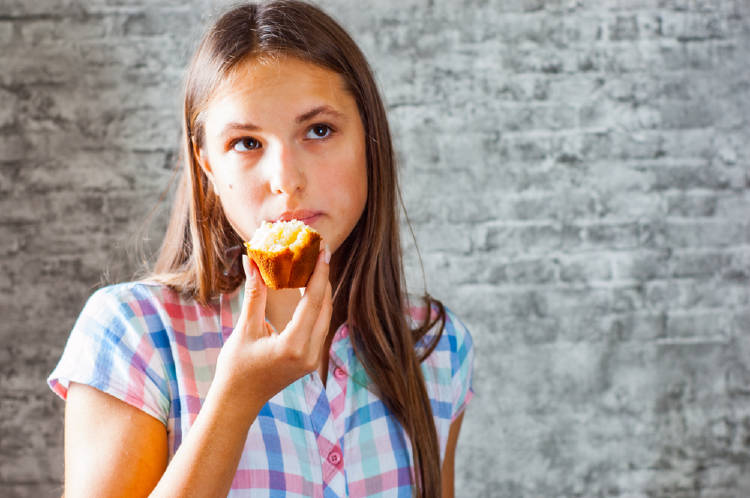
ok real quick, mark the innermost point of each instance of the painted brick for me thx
(588, 267)
(692, 203)
(708, 233)
(6, 32)
(68, 29)
(531, 237)
(588, 161)
(707, 325)
(695, 293)
(42, 8)
(643, 265)
(12, 147)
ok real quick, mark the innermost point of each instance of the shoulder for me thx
(125, 295)
(457, 332)
(452, 335)
(128, 300)
(113, 347)
(448, 366)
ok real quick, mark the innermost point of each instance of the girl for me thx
(200, 381)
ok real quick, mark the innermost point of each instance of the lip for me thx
(305, 215)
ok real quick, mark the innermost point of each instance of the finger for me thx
(307, 311)
(253, 312)
(326, 252)
(322, 324)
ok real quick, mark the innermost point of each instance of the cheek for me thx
(233, 184)
(361, 196)
(354, 176)
(241, 201)
(360, 179)
(350, 186)
(362, 172)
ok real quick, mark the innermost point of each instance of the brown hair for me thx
(370, 290)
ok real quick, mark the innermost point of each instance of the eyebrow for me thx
(321, 109)
(315, 111)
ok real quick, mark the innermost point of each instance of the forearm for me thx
(206, 461)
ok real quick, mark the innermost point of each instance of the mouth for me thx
(304, 215)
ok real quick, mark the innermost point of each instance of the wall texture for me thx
(577, 174)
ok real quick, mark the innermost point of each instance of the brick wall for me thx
(577, 174)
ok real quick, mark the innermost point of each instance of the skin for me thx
(280, 137)
(284, 135)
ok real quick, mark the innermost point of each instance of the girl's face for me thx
(284, 140)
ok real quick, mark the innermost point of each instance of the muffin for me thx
(285, 252)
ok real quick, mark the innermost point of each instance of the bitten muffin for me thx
(285, 252)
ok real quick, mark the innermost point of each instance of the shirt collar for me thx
(343, 356)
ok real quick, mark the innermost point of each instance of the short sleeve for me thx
(462, 364)
(110, 348)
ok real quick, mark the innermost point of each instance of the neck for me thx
(280, 303)
(280, 306)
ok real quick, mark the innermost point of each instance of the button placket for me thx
(331, 437)
(335, 458)
(336, 393)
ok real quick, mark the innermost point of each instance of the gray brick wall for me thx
(577, 173)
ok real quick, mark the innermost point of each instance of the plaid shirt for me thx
(157, 351)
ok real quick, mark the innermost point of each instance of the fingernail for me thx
(327, 254)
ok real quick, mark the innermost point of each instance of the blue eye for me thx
(246, 144)
(318, 131)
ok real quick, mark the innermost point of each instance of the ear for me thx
(202, 158)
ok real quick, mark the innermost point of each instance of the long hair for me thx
(370, 289)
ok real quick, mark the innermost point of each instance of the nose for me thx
(286, 173)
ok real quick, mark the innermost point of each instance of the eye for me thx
(245, 144)
(318, 131)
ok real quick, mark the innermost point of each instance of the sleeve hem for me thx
(462, 408)
(61, 384)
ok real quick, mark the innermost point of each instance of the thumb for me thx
(253, 314)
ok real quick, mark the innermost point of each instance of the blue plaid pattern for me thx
(155, 350)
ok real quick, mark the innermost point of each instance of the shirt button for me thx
(334, 458)
(339, 373)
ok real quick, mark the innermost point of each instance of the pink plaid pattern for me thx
(157, 351)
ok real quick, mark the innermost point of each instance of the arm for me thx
(449, 460)
(97, 428)
(114, 449)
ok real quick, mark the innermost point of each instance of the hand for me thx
(256, 363)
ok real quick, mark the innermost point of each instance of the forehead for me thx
(262, 83)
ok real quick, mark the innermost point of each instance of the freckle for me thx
(231, 186)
